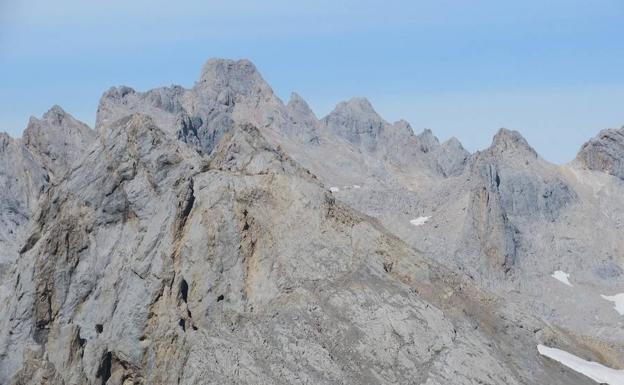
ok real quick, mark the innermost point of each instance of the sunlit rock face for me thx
(217, 235)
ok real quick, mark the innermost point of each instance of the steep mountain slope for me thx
(216, 235)
(239, 268)
(22, 179)
(49, 148)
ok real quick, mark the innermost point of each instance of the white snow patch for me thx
(593, 370)
(419, 221)
(562, 277)
(334, 189)
(618, 299)
(356, 186)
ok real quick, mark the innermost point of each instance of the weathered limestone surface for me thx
(193, 238)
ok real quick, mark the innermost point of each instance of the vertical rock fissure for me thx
(104, 371)
(184, 290)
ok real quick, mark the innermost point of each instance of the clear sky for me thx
(551, 69)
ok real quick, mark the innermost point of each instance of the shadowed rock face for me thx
(605, 153)
(196, 240)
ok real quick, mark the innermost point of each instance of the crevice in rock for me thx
(184, 290)
(220, 298)
(104, 371)
(190, 200)
(77, 346)
(43, 312)
(30, 242)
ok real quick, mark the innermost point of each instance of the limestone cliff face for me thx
(215, 235)
(511, 185)
(58, 140)
(605, 153)
(22, 180)
(48, 149)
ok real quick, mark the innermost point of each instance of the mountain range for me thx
(217, 235)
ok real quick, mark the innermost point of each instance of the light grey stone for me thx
(193, 238)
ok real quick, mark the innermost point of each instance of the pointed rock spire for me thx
(428, 141)
(403, 127)
(55, 115)
(453, 157)
(510, 141)
(298, 105)
(454, 143)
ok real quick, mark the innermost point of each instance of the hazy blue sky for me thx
(551, 69)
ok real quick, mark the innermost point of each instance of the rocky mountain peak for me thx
(298, 105)
(453, 142)
(58, 139)
(428, 141)
(403, 127)
(356, 106)
(357, 121)
(239, 76)
(118, 92)
(604, 152)
(55, 115)
(507, 140)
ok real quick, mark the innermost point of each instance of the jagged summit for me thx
(357, 121)
(239, 76)
(506, 141)
(55, 115)
(356, 106)
(604, 152)
(118, 92)
(299, 105)
(58, 139)
(427, 140)
(404, 127)
(453, 142)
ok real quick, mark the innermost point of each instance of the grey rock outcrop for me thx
(58, 140)
(605, 153)
(357, 121)
(22, 180)
(215, 235)
(47, 151)
(512, 185)
(136, 294)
